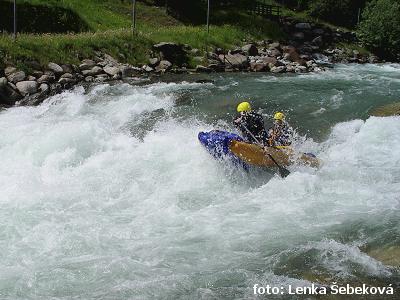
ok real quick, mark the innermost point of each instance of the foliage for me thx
(380, 28)
(339, 12)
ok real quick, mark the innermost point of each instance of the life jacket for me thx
(254, 122)
(280, 134)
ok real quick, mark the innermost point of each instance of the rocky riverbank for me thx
(309, 48)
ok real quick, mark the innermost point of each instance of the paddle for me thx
(282, 171)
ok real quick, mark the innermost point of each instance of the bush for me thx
(339, 12)
(379, 29)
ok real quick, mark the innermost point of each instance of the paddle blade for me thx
(283, 172)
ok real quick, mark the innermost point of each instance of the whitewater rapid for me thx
(107, 194)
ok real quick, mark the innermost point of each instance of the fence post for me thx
(133, 15)
(15, 20)
(208, 16)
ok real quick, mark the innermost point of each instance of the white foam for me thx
(87, 206)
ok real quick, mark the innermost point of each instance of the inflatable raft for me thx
(222, 143)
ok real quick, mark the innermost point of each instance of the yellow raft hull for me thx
(258, 156)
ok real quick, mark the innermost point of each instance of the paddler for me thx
(280, 134)
(251, 124)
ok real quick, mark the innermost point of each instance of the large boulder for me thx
(96, 70)
(111, 70)
(16, 76)
(55, 68)
(129, 71)
(275, 52)
(87, 64)
(236, 61)
(280, 69)
(172, 52)
(250, 50)
(291, 54)
(8, 95)
(27, 87)
(3, 82)
(258, 67)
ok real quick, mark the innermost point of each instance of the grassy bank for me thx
(109, 23)
(120, 43)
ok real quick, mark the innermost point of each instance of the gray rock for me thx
(96, 70)
(217, 67)
(203, 69)
(55, 68)
(303, 26)
(250, 49)
(111, 70)
(16, 76)
(43, 78)
(274, 52)
(318, 31)
(280, 69)
(270, 61)
(37, 74)
(27, 87)
(111, 61)
(66, 81)
(101, 78)
(87, 64)
(238, 61)
(300, 69)
(116, 77)
(102, 64)
(164, 65)
(44, 87)
(274, 45)
(67, 69)
(195, 52)
(12, 85)
(31, 78)
(147, 69)
(258, 67)
(290, 69)
(9, 70)
(153, 62)
(3, 82)
(170, 51)
(298, 36)
(129, 71)
(67, 75)
(9, 96)
(89, 79)
(318, 41)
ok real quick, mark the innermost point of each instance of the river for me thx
(107, 193)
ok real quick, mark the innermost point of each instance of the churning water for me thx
(107, 194)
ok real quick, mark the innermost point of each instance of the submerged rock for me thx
(386, 110)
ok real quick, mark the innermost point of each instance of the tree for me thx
(379, 29)
(339, 12)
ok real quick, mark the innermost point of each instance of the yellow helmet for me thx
(244, 106)
(279, 116)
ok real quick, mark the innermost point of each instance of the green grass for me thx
(109, 22)
(72, 48)
(109, 14)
